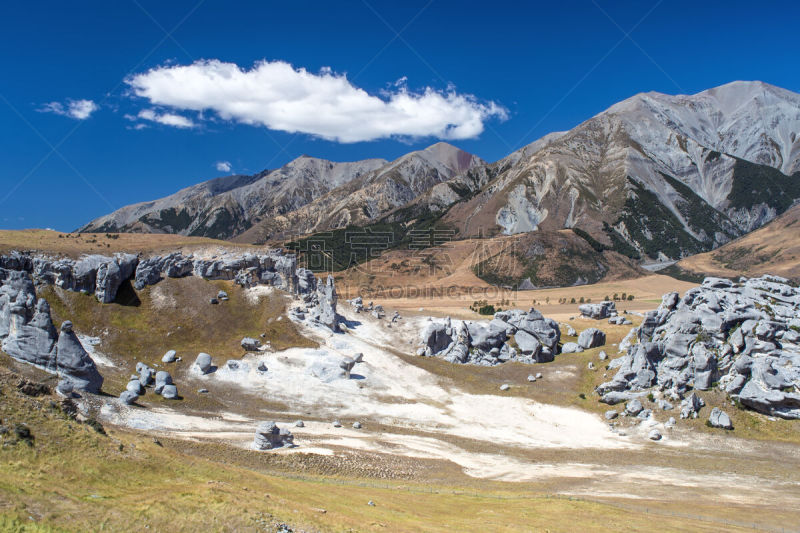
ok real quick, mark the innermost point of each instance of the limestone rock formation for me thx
(269, 436)
(320, 299)
(203, 362)
(598, 311)
(591, 338)
(489, 343)
(743, 338)
(27, 334)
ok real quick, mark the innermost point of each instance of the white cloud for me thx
(280, 97)
(168, 119)
(77, 109)
(224, 166)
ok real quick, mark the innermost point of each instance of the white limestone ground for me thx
(90, 345)
(429, 419)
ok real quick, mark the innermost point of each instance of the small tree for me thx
(582, 300)
(606, 298)
(572, 301)
(630, 297)
(624, 296)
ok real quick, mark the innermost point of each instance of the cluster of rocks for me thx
(270, 436)
(271, 268)
(91, 274)
(376, 311)
(103, 275)
(521, 336)
(319, 299)
(598, 311)
(27, 334)
(589, 338)
(145, 376)
(743, 338)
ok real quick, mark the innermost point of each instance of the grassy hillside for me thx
(174, 314)
(75, 244)
(772, 249)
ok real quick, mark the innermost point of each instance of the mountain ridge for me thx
(656, 175)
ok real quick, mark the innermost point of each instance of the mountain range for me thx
(655, 176)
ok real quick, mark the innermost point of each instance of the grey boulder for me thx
(719, 419)
(203, 362)
(591, 338)
(169, 392)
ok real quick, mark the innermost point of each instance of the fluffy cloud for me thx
(223, 166)
(168, 119)
(280, 97)
(77, 109)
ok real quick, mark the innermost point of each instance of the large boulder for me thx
(269, 436)
(719, 419)
(73, 361)
(598, 311)
(591, 338)
(250, 344)
(169, 392)
(203, 362)
(162, 380)
(528, 344)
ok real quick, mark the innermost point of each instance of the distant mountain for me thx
(371, 195)
(308, 194)
(654, 176)
(225, 207)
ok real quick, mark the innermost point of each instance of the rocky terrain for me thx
(742, 338)
(496, 404)
(27, 333)
(510, 336)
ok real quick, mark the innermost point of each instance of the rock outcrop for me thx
(598, 311)
(269, 436)
(103, 275)
(27, 334)
(591, 338)
(320, 299)
(743, 338)
(521, 336)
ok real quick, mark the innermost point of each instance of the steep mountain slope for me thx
(654, 175)
(371, 195)
(772, 249)
(224, 207)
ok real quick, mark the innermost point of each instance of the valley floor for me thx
(441, 447)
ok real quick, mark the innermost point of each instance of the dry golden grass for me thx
(75, 244)
(440, 300)
(175, 314)
(772, 249)
(74, 479)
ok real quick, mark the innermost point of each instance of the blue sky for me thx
(92, 116)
